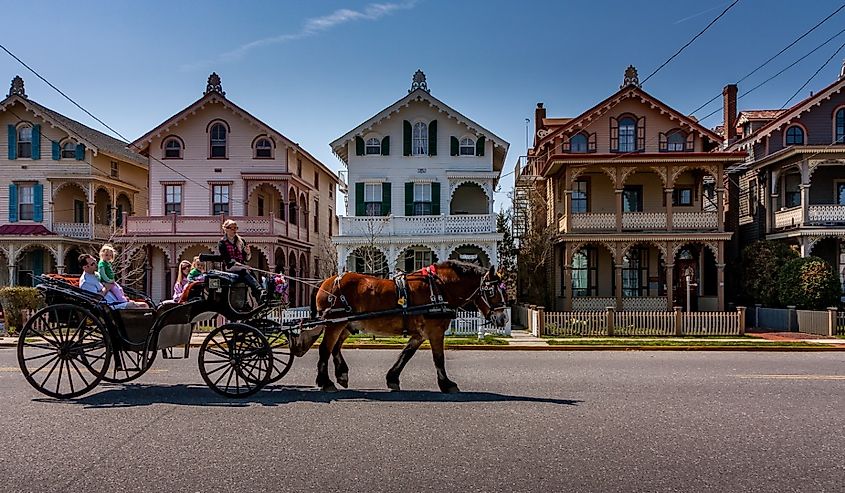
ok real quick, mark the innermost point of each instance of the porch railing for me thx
(653, 323)
(644, 220)
(208, 225)
(462, 224)
(695, 220)
(789, 217)
(83, 231)
(832, 213)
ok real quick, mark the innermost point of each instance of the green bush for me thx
(809, 283)
(14, 301)
(761, 264)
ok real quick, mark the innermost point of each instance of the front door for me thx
(684, 268)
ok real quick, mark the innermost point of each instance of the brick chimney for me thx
(729, 108)
(539, 116)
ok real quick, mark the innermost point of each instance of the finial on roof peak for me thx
(842, 70)
(214, 84)
(631, 77)
(17, 87)
(418, 82)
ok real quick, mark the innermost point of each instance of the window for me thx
(25, 141)
(220, 199)
(317, 180)
(173, 199)
(840, 193)
(282, 211)
(794, 135)
(746, 129)
(372, 199)
(580, 196)
(632, 198)
(634, 272)
(26, 203)
(218, 140)
(316, 216)
(585, 272)
(260, 205)
(78, 211)
(292, 211)
(263, 149)
(68, 150)
(373, 146)
(839, 123)
(422, 199)
(419, 141)
(299, 167)
(676, 142)
(467, 147)
(173, 149)
(627, 134)
(752, 197)
(422, 258)
(331, 222)
(115, 170)
(792, 190)
(578, 143)
(331, 190)
(682, 196)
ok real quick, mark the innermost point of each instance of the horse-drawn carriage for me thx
(78, 340)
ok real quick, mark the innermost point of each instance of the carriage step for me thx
(168, 353)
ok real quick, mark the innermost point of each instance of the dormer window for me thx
(676, 142)
(263, 148)
(578, 143)
(839, 124)
(467, 147)
(173, 148)
(420, 140)
(25, 141)
(627, 134)
(68, 150)
(794, 135)
(218, 141)
(373, 146)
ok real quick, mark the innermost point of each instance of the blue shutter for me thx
(57, 151)
(36, 142)
(13, 203)
(80, 152)
(37, 263)
(13, 142)
(38, 203)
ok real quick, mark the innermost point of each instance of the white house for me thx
(421, 180)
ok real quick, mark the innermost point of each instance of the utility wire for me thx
(814, 74)
(690, 41)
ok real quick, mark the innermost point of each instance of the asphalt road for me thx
(525, 421)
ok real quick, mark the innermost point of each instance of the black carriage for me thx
(78, 340)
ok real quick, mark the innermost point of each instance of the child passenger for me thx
(105, 272)
(196, 273)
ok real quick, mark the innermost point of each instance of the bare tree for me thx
(534, 233)
(130, 262)
(374, 261)
(325, 257)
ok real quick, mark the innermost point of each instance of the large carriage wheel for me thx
(129, 364)
(235, 360)
(279, 344)
(64, 351)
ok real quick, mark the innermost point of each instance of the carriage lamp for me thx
(214, 283)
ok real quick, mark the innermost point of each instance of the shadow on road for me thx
(133, 395)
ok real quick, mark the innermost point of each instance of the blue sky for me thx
(316, 69)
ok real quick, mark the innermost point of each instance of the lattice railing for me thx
(72, 230)
(789, 217)
(644, 220)
(595, 221)
(826, 213)
(695, 220)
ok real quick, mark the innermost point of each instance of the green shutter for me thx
(13, 203)
(13, 142)
(385, 198)
(38, 203)
(36, 142)
(432, 138)
(435, 198)
(409, 198)
(359, 199)
(385, 146)
(406, 141)
(80, 152)
(455, 147)
(57, 151)
(37, 264)
(479, 146)
(359, 146)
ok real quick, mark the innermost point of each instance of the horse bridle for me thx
(487, 290)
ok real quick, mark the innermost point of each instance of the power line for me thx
(814, 74)
(690, 41)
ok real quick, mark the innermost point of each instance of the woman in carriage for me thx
(236, 254)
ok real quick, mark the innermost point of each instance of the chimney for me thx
(539, 116)
(729, 108)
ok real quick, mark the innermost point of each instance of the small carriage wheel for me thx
(129, 364)
(235, 360)
(64, 351)
(279, 344)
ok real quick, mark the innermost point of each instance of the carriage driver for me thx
(89, 282)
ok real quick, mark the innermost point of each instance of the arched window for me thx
(218, 140)
(839, 133)
(68, 150)
(263, 148)
(467, 147)
(420, 139)
(676, 142)
(173, 148)
(373, 146)
(794, 135)
(25, 141)
(627, 134)
(578, 143)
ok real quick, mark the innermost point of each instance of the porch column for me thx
(670, 283)
(618, 274)
(567, 211)
(113, 211)
(91, 220)
(770, 215)
(720, 209)
(566, 272)
(668, 195)
(619, 210)
(805, 202)
(720, 277)
(11, 266)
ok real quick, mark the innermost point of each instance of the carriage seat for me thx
(219, 274)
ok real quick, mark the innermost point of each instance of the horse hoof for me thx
(393, 386)
(343, 381)
(329, 388)
(450, 390)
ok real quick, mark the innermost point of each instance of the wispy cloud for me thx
(310, 27)
(693, 16)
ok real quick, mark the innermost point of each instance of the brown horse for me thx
(459, 283)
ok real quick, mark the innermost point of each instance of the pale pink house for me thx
(214, 160)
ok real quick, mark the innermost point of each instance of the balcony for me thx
(819, 214)
(208, 226)
(464, 224)
(637, 221)
(83, 231)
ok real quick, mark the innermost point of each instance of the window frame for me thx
(218, 142)
(585, 199)
(217, 207)
(420, 257)
(677, 196)
(631, 189)
(26, 190)
(419, 143)
(468, 147)
(372, 207)
(179, 148)
(791, 198)
(268, 149)
(678, 146)
(787, 137)
(586, 139)
(635, 273)
(316, 215)
(588, 272)
(839, 125)
(422, 207)
(372, 146)
(20, 143)
(633, 134)
(170, 191)
(65, 153)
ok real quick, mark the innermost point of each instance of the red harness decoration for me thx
(429, 271)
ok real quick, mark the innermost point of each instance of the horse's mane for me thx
(463, 268)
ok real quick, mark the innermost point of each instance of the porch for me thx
(806, 194)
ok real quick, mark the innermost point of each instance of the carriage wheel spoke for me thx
(54, 358)
(217, 353)
(79, 373)
(69, 376)
(36, 346)
(59, 379)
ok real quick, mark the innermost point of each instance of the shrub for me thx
(761, 264)
(15, 301)
(809, 283)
